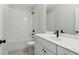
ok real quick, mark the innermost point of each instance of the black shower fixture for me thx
(32, 12)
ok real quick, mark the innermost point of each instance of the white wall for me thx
(77, 19)
(18, 28)
(65, 17)
(14, 28)
(50, 21)
(39, 18)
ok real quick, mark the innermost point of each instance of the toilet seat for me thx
(30, 43)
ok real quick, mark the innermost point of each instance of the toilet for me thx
(30, 46)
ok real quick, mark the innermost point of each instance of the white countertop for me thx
(65, 42)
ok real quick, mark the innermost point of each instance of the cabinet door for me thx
(67, 52)
(47, 44)
(38, 49)
(48, 52)
(60, 51)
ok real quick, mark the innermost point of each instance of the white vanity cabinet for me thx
(45, 47)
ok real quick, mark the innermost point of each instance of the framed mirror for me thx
(63, 17)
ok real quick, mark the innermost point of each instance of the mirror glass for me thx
(62, 17)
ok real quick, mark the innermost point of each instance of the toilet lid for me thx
(30, 43)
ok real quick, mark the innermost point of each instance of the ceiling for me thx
(50, 7)
(22, 6)
(30, 6)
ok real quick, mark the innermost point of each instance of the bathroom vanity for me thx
(46, 44)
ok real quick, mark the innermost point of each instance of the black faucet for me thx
(62, 31)
(57, 33)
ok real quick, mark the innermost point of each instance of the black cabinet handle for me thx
(77, 31)
(2, 41)
(42, 49)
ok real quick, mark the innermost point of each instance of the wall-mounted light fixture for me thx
(25, 18)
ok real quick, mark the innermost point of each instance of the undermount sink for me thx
(52, 36)
(56, 38)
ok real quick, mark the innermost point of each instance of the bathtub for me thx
(17, 44)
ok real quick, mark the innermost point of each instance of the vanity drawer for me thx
(47, 44)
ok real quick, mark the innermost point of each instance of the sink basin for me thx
(55, 38)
